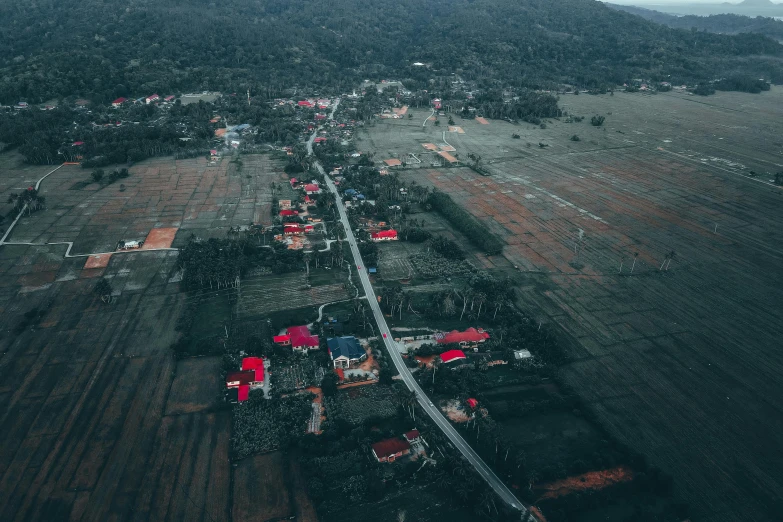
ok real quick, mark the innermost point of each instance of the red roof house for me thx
(256, 365)
(305, 103)
(282, 340)
(169, 98)
(289, 213)
(384, 235)
(77, 144)
(243, 393)
(312, 188)
(299, 337)
(152, 98)
(412, 436)
(289, 230)
(390, 449)
(452, 355)
(118, 102)
(319, 139)
(468, 337)
(472, 402)
(308, 201)
(235, 379)
(309, 229)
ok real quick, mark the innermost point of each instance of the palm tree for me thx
(672, 255)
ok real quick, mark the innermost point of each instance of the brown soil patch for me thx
(447, 148)
(482, 121)
(592, 480)
(429, 146)
(454, 411)
(355, 384)
(159, 238)
(448, 157)
(97, 261)
(369, 364)
(401, 111)
(458, 130)
(392, 162)
(426, 361)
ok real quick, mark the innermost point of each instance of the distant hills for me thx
(745, 8)
(721, 23)
(103, 49)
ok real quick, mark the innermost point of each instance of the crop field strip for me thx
(682, 364)
(85, 394)
(272, 293)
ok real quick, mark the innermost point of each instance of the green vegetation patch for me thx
(263, 425)
(362, 404)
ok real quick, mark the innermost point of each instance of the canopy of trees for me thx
(102, 49)
(478, 233)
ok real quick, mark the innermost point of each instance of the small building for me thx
(169, 98)
(472, 402)
(522, 354)
(469, 337)
(436, 103)
(299, 338)
(390, 450)
(305, 103)
(236, 379)
(451, 356)
(319, 139)
(384, 235)
(284, 204)
(290, 230)
(345, 351)
(288, 213)
(118, 102)
(412, 436)
(150, 99)
(312, 188)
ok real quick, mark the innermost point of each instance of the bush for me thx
(597, 121)
(574, 138)
(97, 175)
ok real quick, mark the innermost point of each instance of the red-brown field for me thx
(681, 364)
(98, 420)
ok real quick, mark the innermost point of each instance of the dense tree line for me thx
(102, 49)
(475, 231)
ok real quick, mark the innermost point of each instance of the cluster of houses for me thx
(251, 376)
(346, 352)
(152, 98)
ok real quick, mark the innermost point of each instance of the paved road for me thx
(391, 346)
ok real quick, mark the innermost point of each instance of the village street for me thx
(391, 346)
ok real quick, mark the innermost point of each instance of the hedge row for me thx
(476, 232)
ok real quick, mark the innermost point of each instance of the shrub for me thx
(597, 121)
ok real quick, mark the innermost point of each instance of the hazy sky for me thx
(678, 2)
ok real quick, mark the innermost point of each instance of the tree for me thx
(104, 290)
(329, 384)
(597, 121)
(574, 138)
(97, 175)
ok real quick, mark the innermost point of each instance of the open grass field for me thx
(682, 364)
(98, 420)
(272, 293)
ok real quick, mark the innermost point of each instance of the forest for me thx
(102, 49)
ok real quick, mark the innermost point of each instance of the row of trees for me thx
(475, 231)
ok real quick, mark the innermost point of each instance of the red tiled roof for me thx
(452, 355)
(384, 234)
(412, 435)
(77, 143)
(301, 336)
(472, 402)
(256, 365)
(388, 447)
(279, 339)
(292, 230)
(305, 103)
(289, 213)
(340, 373)
(119, 101)
(312, 187)
(244, 377)
(471, 335)
(244, 392)
(320, 139)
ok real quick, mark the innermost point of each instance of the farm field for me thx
(99, 421)
(680, 364)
